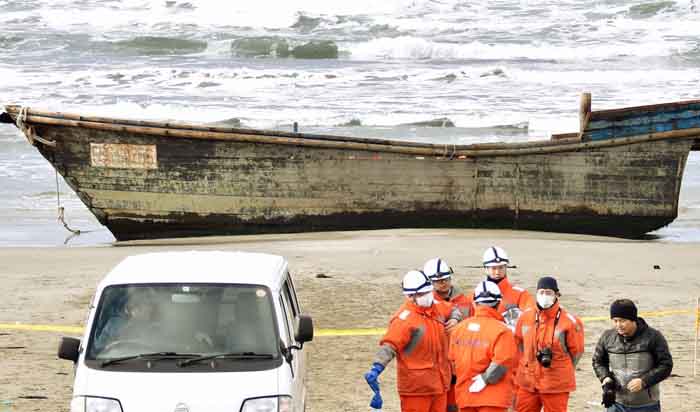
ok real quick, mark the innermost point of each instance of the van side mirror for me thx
(305, 329)
(304, 332)
(69, 349)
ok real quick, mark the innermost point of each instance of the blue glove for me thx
(371, 378)
(376, 402)
(373, 374)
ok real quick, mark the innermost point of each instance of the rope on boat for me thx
(32, 136)
(21, 125)
(61, 210)
(29, 130)
(452, 153)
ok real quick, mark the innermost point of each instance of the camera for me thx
(544, 357)
(609, 394)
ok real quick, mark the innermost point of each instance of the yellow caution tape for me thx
(332, 332)
(350, 332)
(665, 313)
(42, 328)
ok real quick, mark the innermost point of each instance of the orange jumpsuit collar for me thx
(483, 311)
(550, 312)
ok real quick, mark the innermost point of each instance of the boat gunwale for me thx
(33, 113)
(193, 131)
(614, 114)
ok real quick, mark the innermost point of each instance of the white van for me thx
(192, 332)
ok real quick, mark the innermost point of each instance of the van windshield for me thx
(188, 319)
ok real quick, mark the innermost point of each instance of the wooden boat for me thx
(619, 175)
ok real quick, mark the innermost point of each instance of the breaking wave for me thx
(413, 48)
(281, 47)
(651, 9)
(153, 45)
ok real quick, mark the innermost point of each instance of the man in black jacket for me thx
(631, 360)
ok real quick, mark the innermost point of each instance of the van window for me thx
(288, 291)
(295, 301)
(288, 316)
(201, 319)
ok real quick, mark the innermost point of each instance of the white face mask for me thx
(546, 301)
(425, 301)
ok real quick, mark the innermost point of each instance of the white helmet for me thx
(415, 281)
(437, 269)
(487, 293)
(495, 256)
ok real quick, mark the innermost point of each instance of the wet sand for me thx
(364, 269)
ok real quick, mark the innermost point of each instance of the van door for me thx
(291, 310)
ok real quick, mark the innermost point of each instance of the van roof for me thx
(199, 267)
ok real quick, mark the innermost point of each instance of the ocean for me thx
(496, 71)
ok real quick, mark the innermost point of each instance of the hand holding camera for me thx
(609, 387)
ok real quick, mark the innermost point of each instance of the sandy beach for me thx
(52, 286)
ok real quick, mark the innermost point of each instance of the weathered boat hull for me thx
(147, 180)
(181, 225)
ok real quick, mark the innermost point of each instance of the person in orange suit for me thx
(551, 343)
(440, 273)
(515, 299)
(482, 351)
(417, 338)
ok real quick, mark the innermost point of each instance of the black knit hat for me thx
(548, 282)
(623, 308)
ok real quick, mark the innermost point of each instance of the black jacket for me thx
(644, 355)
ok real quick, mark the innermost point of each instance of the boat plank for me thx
(645, 110)
(644, 119)
(375, 192)
(635, 130)
(455, 168)
(236, 205)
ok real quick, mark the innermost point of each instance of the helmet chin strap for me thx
(496, 281)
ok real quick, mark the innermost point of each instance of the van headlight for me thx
(94, 404)
(268, 404)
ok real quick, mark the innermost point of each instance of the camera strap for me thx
(554, 328)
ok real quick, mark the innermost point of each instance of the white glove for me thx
(511, 316)
(478, 384)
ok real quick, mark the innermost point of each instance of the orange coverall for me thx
(483, 345)
(514, 296)
(417, 336)
(465, 305)
(549, 387)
